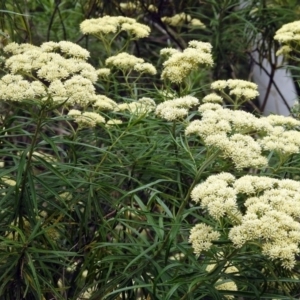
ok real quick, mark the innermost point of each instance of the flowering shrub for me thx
(142, 194)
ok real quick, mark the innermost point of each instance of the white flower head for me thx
(176, 109)
(109, 24)
(180, 64)
(201, 237)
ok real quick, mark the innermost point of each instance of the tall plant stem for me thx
(186, 199)
(29, 160)
(196, 180)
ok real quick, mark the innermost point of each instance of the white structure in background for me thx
(283, 94)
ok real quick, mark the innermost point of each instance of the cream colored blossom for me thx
(100, 26)
(180, 64)
(238, 88)
(278, 232)
(76, 90)
(284, 50)
(92, 119)
(108, 24)
(152, 8)
(145, 68)
(168, 51)
(252, 185)
(167, 95)
(84, 274)
(8, 181)
(103, 72)
(104, 103)
(212, 98)
(67, 48)
(149, 102)
(182, 19)
(177, 20)
(270, 215)
(223, 283)
(226, 285)
(74, 112)
(113, 122)
(123, 61)
(62, 74)
(201, 237)
(15, 88)
(277, 120)
(136, 107)
(175, 109)
(219, 85)
(87, 294)
(71, 58)
(66, 196)
(284, 142)
(227, 130)
(242, 149)
(216, 195)
(129, 6)
(288, 32)
(15, 48)
(45, 156)
(196, 23)
(86, 119)
(137, 30)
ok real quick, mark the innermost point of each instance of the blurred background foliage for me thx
(235, 28)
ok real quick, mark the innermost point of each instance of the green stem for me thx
(196, 180)
(173, 132)
(28, 164)
(186, 199)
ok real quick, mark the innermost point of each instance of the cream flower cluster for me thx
(56, 71)
(180, 64)
(141, 107)
(126, 62)
(287, 122)
(86, 119)
(226, 285)
(201, 237)
(15, 88)
(113, 122)
(104, 103)
(284, 142)
(181, 19)
(223, 283)
(241, 89)
(175, 109)
(7, 181)
(103, 72)
(217, 196)
(232, 133)
(212, 98)
(108, 24)
(289, 37)
(152, 8)
(227, 130)
(282, 139)
(271, 217)
(288, 33)
(130, 6)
